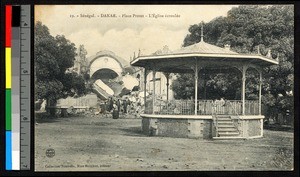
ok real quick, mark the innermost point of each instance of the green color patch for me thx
(8, 109)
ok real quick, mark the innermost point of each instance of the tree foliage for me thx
(211, 85)
(53, 56)
(249, 28)
(183, 86)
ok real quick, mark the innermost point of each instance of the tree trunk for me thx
(51, 103)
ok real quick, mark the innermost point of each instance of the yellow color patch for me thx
(7, 67)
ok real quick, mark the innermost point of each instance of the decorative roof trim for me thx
(235, 56)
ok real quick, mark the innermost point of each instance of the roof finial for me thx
(227, 47)
(202, 32)
(269, 55)
(277, 58)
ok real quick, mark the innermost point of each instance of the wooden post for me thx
(243, 88)
(153, 94)
(259, 96)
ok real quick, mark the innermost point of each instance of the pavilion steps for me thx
(228, 138)
(226, 128)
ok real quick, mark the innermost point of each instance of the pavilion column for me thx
(167, 88)
(204, 91)
(259, 96)
(145, 86)
(244, 69)
(160, 84)
(196, 69)
(153, 94)
(167, 77)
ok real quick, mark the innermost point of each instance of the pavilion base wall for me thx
(250, 126)
(199, 128)
(177, 127)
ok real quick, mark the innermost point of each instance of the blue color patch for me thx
(8, 151)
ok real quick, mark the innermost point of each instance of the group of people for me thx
(221, 106)
(118, 104)
(124, 106)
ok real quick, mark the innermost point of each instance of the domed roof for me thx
(205, 48)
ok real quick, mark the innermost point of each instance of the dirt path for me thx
(105, 144)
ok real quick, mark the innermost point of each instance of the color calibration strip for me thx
(8, 128)
(17, 87)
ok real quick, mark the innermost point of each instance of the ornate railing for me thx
(204, 107)
(236, 123)
(172, 107)
(251, 107)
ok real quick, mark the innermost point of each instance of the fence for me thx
(89, 100)
(204, 107)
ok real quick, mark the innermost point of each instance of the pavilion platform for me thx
(213, 120)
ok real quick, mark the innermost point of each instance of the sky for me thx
(125, 29)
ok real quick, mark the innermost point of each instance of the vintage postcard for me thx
(164, 87)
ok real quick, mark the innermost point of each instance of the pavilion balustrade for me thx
(251, 107)
(204, 107)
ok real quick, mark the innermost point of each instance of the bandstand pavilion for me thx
(196, 118)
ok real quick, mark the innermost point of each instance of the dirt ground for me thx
(99, 143)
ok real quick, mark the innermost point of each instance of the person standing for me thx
(125, 106)
(115, 112)
(128, 105)
(118, 104)
(214, 106)
(105, 107)
(222, 104)
(111, 103)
